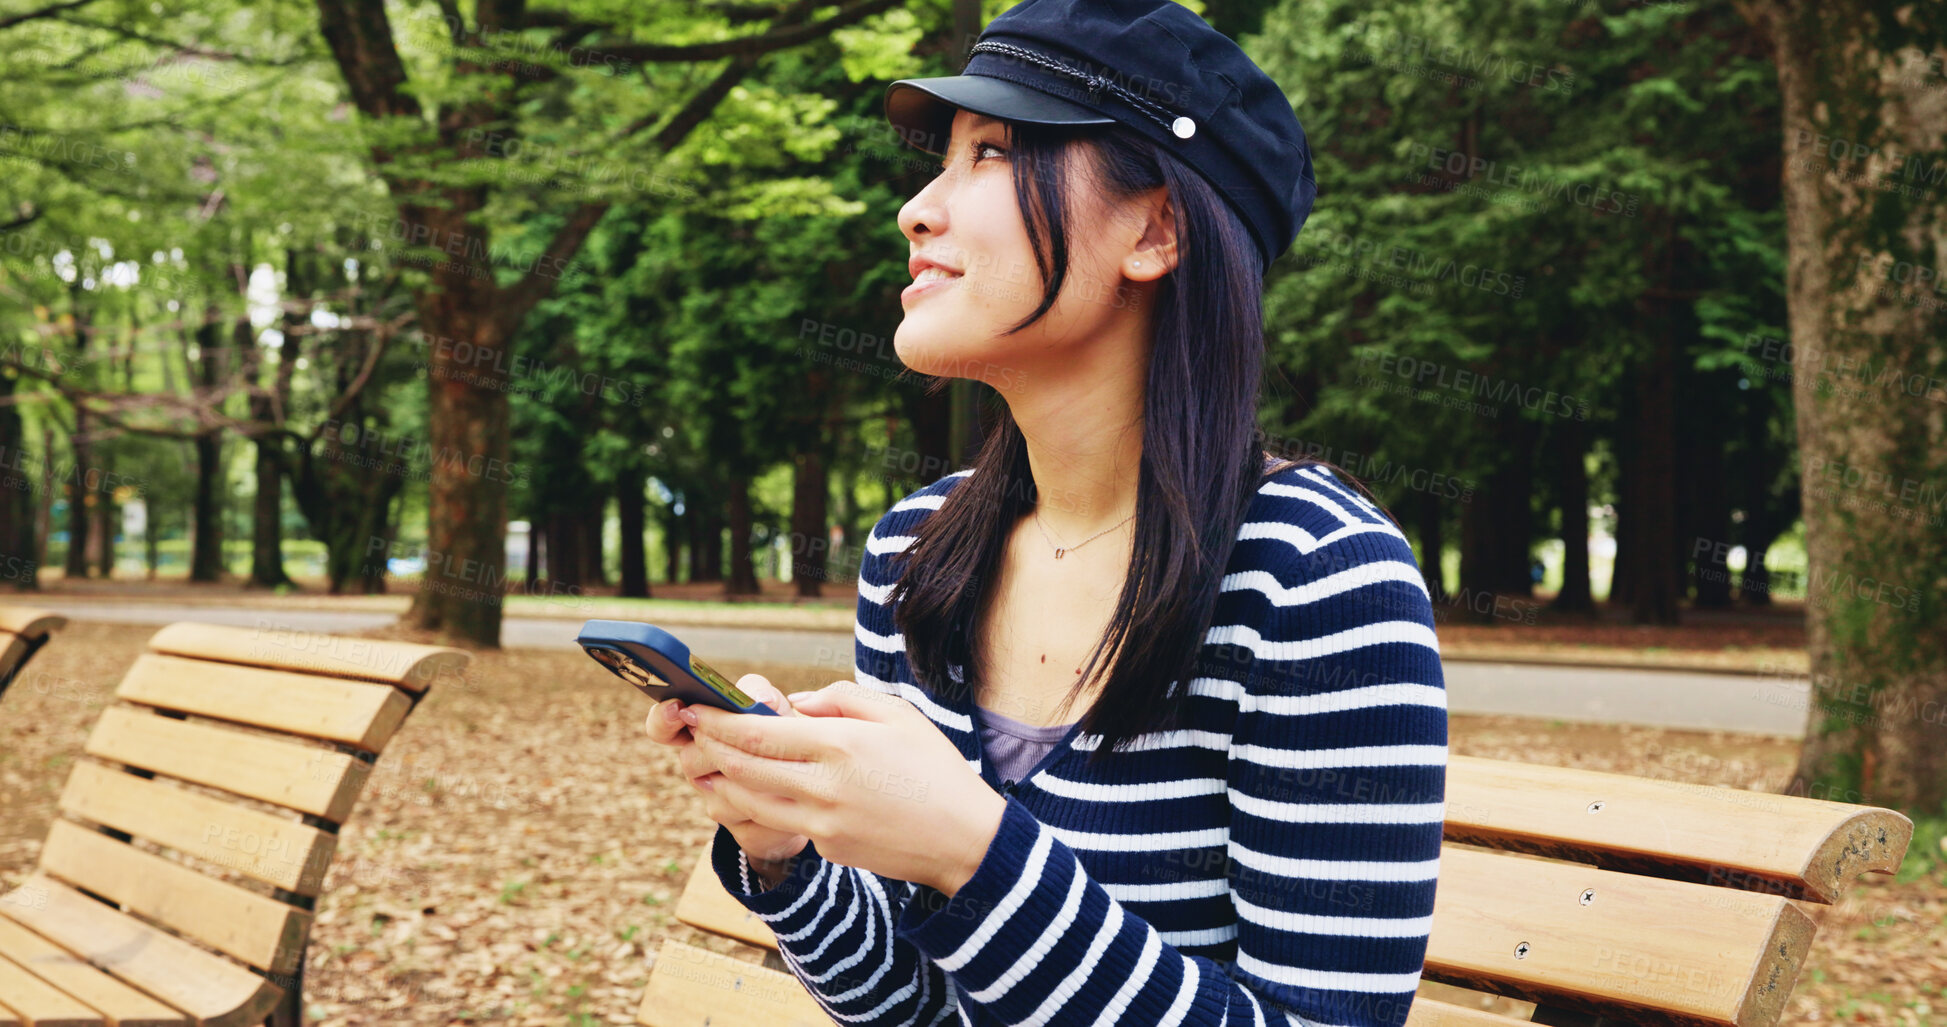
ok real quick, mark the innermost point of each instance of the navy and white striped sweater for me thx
(1272, 862)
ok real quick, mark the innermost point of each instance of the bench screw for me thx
(1596, 806)
(1521, 951)
(1588, 896)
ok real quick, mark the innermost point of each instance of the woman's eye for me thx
(978, 147)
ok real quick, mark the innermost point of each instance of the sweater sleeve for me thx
(834, 923)
(1336, 786)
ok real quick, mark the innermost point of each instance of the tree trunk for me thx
(810, 536)
(206, 544)
(564, 552)
(1431, 525)
(743, 578)
(592, 519)
(76, 563)
(536, 533)
(1864, 286)
(101, 537)
(1497, 527)
(19, 566)
(1655, 553)
(629, 515)
(1570, 452)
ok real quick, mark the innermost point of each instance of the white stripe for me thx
(1357, 576)
(1329, 504)
(1104, 934)
(1088, 791)
(1398, 693)
(1345, 926)
(1339, 812)
(1199, 939)
(1174, 891)
(1005, 908)
(1185, 994)
(940, 715)
(1332, 482)
(1378, 633)
(1178, 739)
(1330, 980)
(1335, 869)
(1304, 541)
(1345, 756)
(1112, 1012)
(1160, 841)
(1024, 965)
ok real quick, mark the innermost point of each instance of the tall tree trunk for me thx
(564, 552)
(1655, 552)
(810, 536)
(19, 565)
(1570, 451)
(593, 519)
(1431, 523)
(743, 578)
(1864, 285)
(76, 563)
(206, 544)
(101, 537)
(629, 515)
(1497, 527)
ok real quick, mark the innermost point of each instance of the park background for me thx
(1630, 312)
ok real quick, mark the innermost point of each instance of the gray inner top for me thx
(1011, 747)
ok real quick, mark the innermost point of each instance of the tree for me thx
(440, 158)
(1865, 194)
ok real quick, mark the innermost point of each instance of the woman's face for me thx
(967, 223)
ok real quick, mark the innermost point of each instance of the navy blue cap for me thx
(1152, 65)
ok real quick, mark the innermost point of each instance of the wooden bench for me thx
(23, 630)
(178, 886)
(1602, 898)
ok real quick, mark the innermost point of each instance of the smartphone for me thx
(661, 667)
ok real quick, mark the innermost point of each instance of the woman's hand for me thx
(762, 844)
(864, 774)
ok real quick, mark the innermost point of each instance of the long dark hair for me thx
(1200, 462)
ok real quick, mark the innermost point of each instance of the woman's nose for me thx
(925, 213)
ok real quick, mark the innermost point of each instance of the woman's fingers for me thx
(662, 725)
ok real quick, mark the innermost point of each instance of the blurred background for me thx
(1629, 312)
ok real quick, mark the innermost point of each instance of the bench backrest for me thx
(1583, 891)
(209, 804)
(23, 630)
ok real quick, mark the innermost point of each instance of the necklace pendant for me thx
(1058, 553)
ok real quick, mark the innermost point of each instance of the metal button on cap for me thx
(1184, 128)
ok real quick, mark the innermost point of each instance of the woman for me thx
(1242, 825)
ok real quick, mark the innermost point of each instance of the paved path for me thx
(1681, 699)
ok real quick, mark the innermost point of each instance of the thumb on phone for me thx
(758, 687)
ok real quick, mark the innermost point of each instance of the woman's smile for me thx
(926, 275)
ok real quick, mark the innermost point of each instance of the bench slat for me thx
(274, 849)
(706, 905)
(257, 929)
(693, 987)
(28, 621)
(300, 777)
(125, 1005)
(40, 1003)
(1431, 1012)
(1779, 844)
(352, 712)
(406, 664)
(217, 992)
(1641, 948)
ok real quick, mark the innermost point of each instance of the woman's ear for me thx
(1154, 253)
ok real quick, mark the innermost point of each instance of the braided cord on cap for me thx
(1096, 83)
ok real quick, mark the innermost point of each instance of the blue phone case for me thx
(661, 667)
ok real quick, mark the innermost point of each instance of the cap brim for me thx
(921, 109)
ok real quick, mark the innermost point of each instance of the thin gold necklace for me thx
(1059, 550)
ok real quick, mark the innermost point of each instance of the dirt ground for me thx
(517, 854)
